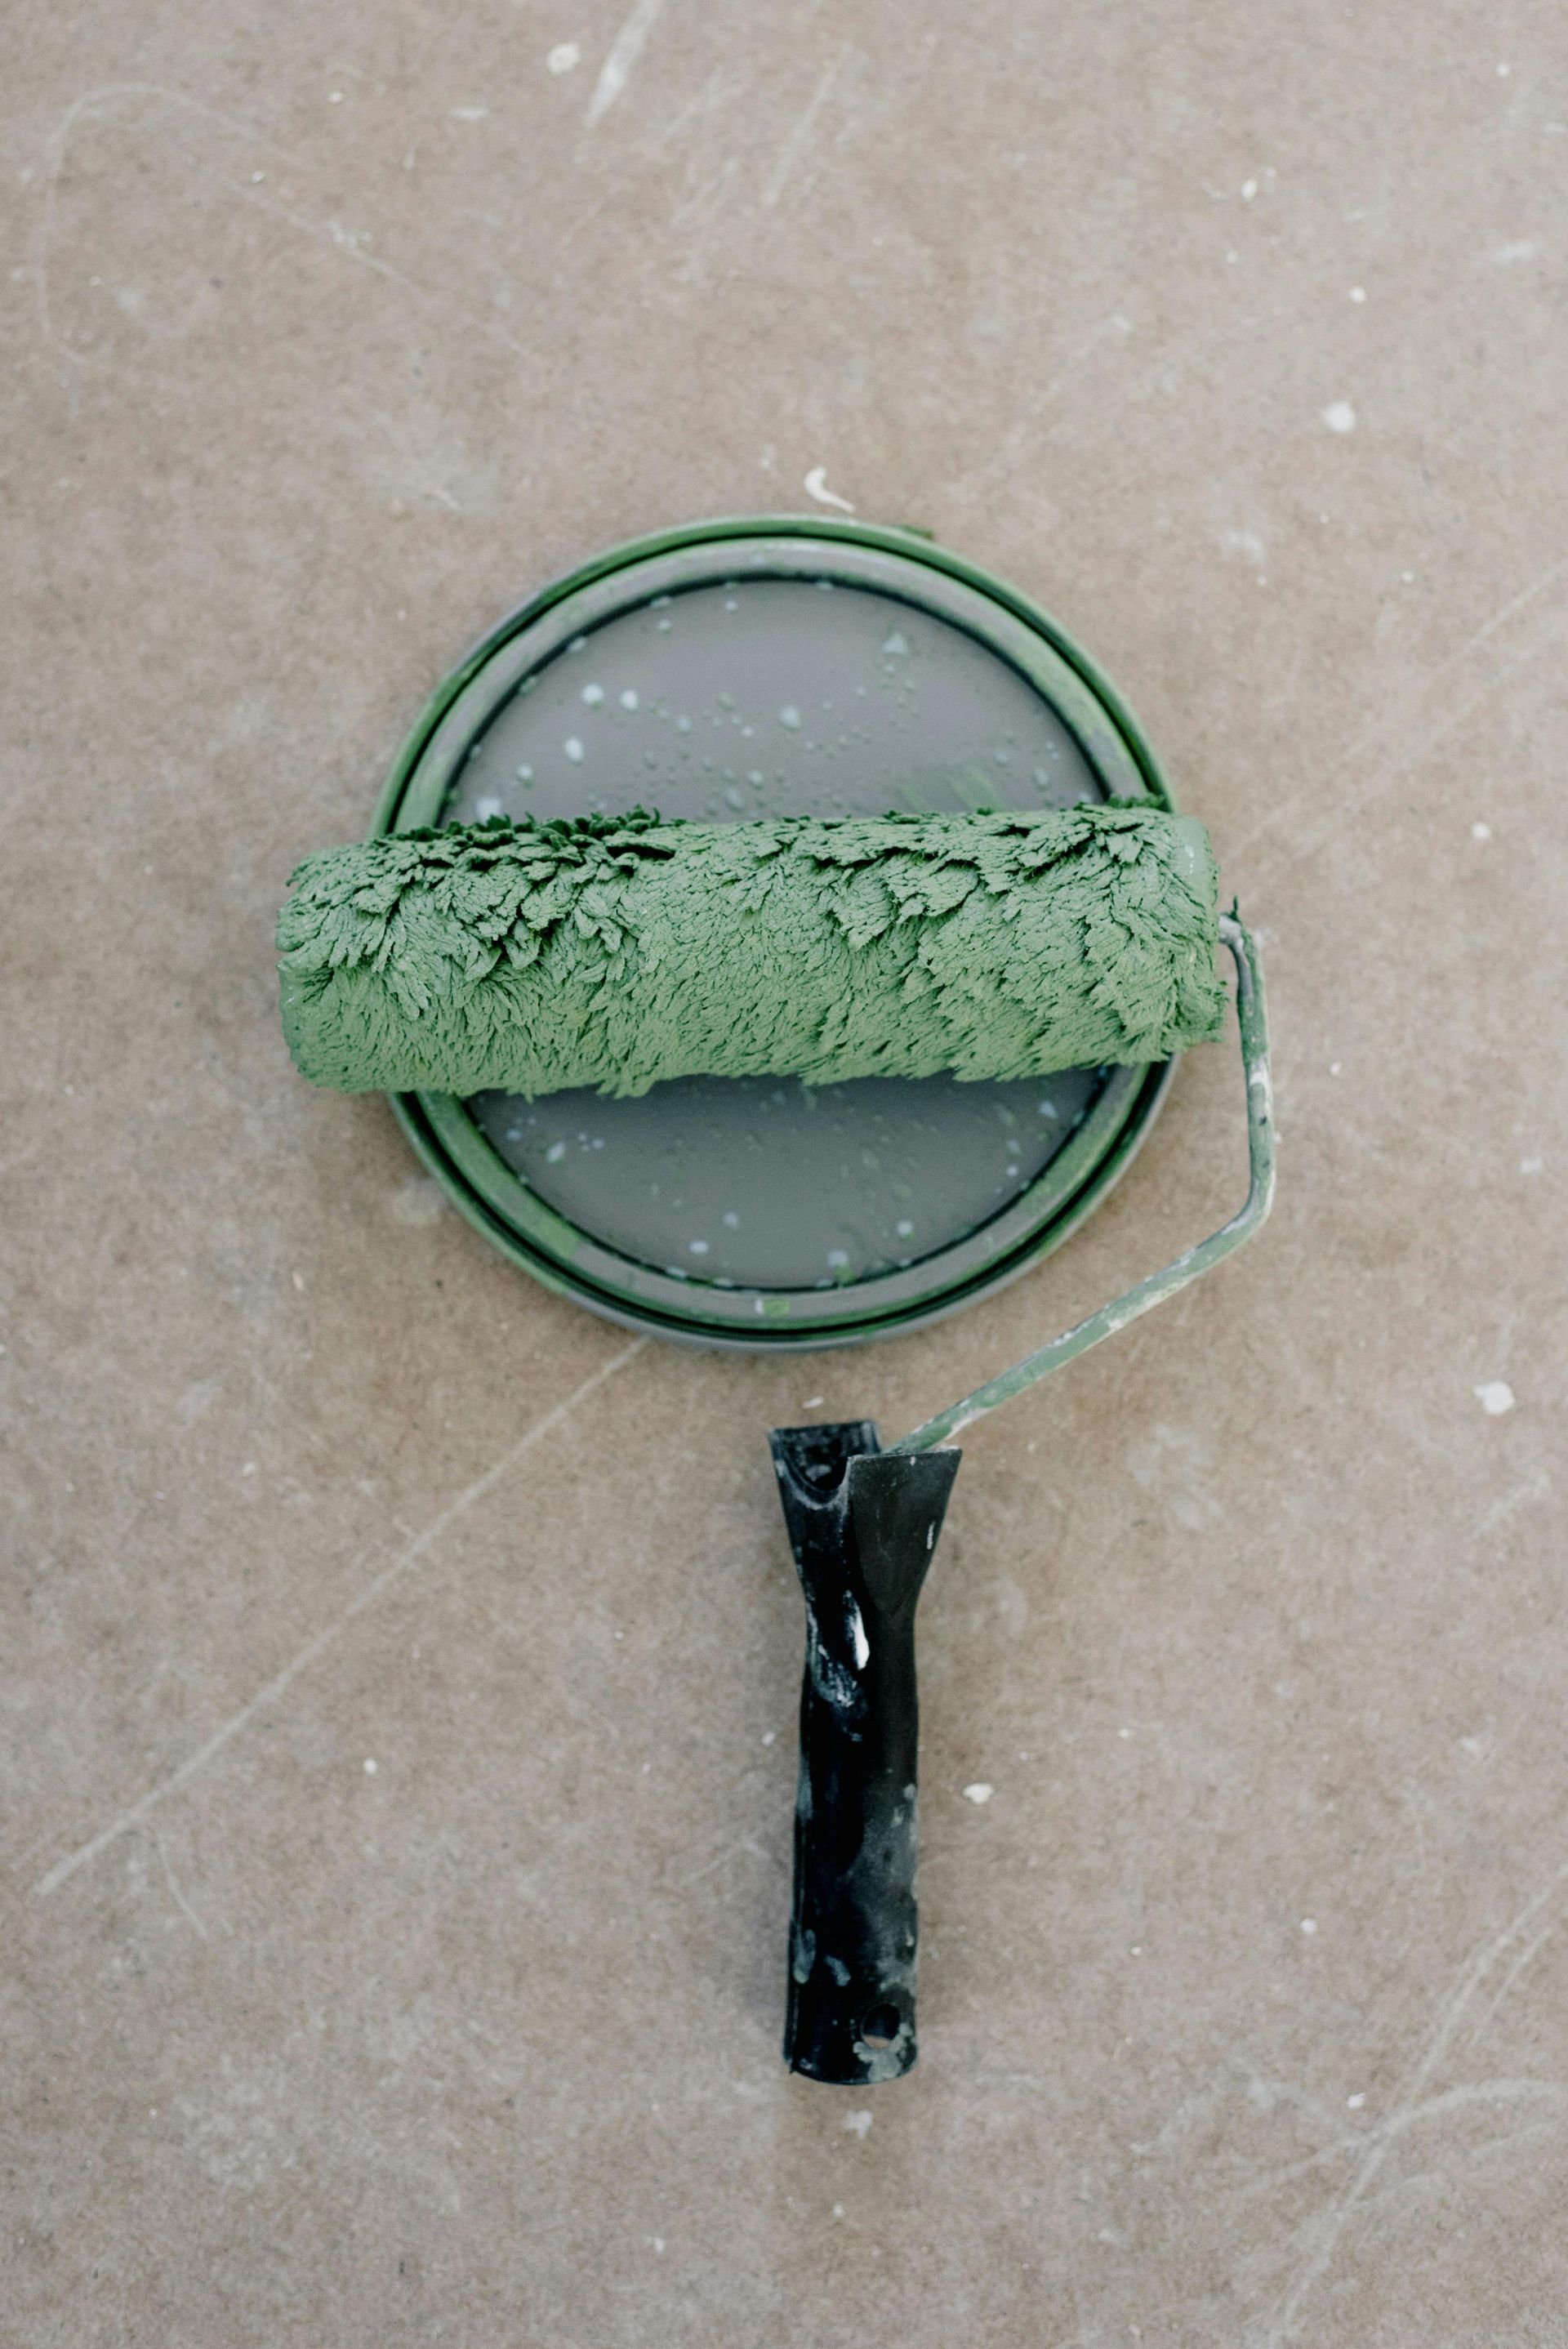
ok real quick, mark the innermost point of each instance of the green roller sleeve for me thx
(615, 952)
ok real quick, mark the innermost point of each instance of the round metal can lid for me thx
(747, 669)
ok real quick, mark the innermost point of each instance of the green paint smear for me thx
(619, 952)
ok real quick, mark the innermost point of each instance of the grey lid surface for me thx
(774, 675)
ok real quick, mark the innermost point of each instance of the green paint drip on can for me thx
(618, 952)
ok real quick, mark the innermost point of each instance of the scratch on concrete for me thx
(625, 50)
(348, 242)
(181, 1901)
(1415, 741)
(1414, 2102)
(98, 101)
(272, 1689)
(799, 137)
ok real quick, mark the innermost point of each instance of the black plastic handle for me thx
(863, 1524)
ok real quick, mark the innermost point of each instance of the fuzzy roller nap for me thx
(616, 952)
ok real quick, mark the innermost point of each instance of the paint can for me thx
(765, 668)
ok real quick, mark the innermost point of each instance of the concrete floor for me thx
(1236, 336)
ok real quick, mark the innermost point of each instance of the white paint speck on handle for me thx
(1339, 415)
(979, 1792)
(1495, 1396)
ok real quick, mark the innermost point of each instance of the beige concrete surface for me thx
(1235, 334)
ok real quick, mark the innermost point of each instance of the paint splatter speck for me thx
(1339, 415)
(838, 1258)
(1354, 2104)
(629, 699)
(979, 1792)
(484, 809)
(369, 1768)
(1495, 1396)
(696, 1248)
(1358, 292)
(1309, 1925)
(1480, 832)
(789, 716)
(555, 1154)
(1531, 1165)
(816, 486)
(593, 694)
(573, 750)
(417, 1203)
(563, 56)
(858, 2124)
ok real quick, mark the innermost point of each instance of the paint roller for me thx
(621, 952)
